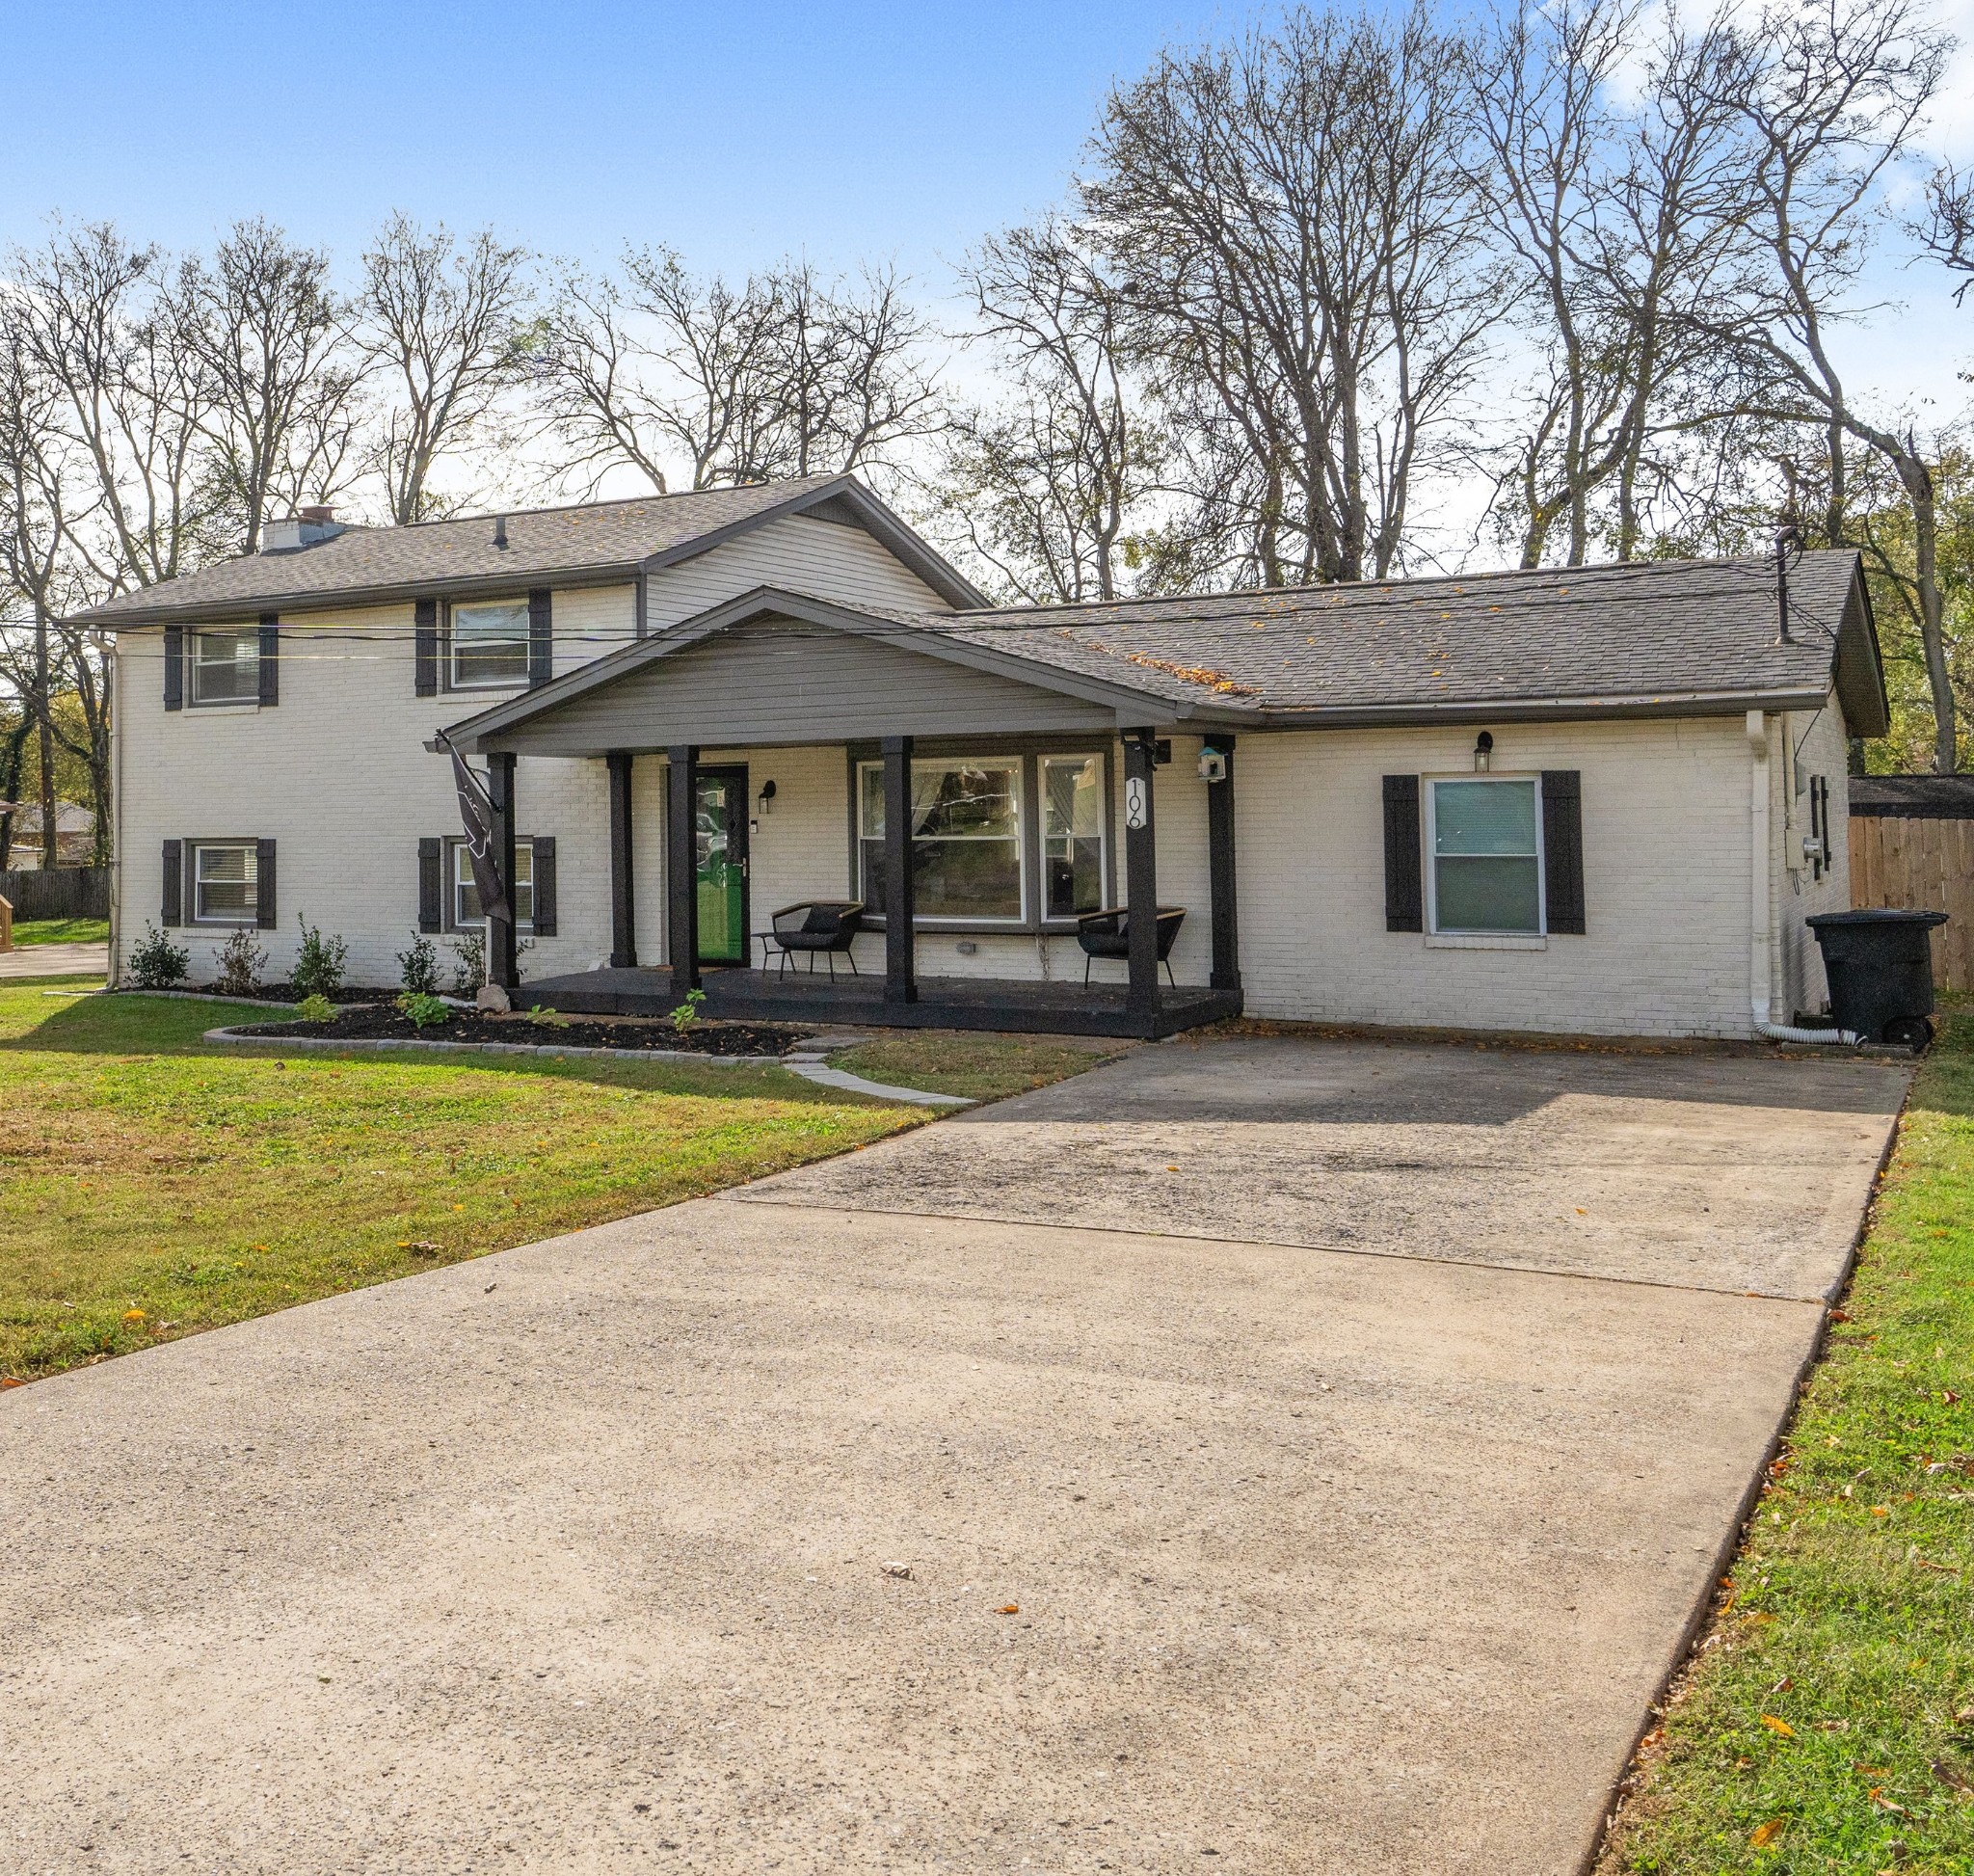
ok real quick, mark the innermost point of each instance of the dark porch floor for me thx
(943, 1003)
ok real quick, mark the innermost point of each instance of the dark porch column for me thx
(1220, 873)
(622, 910)
(501, 966)
(681, 870)
(1140, 877)
(901, 973)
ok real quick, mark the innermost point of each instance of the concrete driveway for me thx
(594, 1555)
(54, 960)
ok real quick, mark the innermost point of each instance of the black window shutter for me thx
(175, 667)
(425, 639)
(264, 900)
(1562, 848)
(1404, 905)
(544, 885)
(540, 637)
(431, 883)
(173, 903)
(270, 660)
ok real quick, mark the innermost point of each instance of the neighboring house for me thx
(75, 834)
(1597, 800)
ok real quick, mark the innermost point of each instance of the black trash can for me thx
(1880, 965)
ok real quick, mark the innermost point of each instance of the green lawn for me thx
(152, 1184)
(1827, 1724)
(982, 1066)
(61, 931)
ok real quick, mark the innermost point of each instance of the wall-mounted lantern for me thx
(1484, 752)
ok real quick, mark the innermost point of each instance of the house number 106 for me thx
(1137, 803)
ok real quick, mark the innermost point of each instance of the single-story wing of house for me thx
(767, 743)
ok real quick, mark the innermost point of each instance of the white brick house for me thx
(1597, 801)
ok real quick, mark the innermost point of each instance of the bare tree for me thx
(1829, 100)
(1044, 485)
(92, 320)
(447, 325)
(784, 375)
(1296, 226)
(1621, 223)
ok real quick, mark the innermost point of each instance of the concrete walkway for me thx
(862, 1523)
(54, 960)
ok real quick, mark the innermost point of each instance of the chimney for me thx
(500, 530)
(301, 530)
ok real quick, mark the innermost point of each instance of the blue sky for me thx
(736, 132)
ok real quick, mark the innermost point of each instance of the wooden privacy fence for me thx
(1912, 846)
(57, 893)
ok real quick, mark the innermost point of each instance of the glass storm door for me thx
(720, 843)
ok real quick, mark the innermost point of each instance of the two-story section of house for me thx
(274, 712)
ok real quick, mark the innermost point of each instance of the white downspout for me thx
(113, 667)
(1761, 915)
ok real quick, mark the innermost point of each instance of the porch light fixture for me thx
(1484, 751)
(765, 802)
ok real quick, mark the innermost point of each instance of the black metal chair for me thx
(1108, 934)
(821, 925)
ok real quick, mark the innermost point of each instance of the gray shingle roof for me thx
(1654, 632)
(434, 556)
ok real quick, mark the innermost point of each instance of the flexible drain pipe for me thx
(1759, 937)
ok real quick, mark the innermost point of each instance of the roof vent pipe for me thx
(500, 530)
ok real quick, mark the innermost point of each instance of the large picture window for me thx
(225, 666)
(965, 837)
(225, 883)
(466, 895)
(488, 645)
(1484, 840)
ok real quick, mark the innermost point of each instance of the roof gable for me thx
(593, 543)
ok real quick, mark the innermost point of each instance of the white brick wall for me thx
(338, 777)
(1665, 863)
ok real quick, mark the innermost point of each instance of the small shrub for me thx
(242, 959)
(321, 963)
(544, 1018)
(425, 1012)
(418, 967)
(155, 962)
(317, 1009)
(687, 1012)
(469, 963)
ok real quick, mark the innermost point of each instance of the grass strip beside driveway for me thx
(151, 1184)
(61, 931)
(1827, 1724)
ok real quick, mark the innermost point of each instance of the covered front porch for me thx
(859, 722)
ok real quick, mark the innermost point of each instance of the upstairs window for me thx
(225, 666)
(488, 645)
(1484, 838)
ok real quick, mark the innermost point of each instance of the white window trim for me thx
(1483, 941)
(454, 844)
(1066, 920)
(193, 635)
(230, 922)
(453, 681)
(983, 921)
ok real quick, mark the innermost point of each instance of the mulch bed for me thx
(383, 1021)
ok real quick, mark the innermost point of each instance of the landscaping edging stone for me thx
(809, 1066)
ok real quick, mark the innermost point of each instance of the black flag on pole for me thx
(477, 815)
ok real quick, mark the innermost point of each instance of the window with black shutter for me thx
(431, 883)
(172, 903)
(175, 667)
(264, 911)
(1404, 907)
(425, 643)
(270, 660)
(1563, 850)
(544, 907)
(540, 637)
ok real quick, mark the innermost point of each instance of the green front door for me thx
(720, 828)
